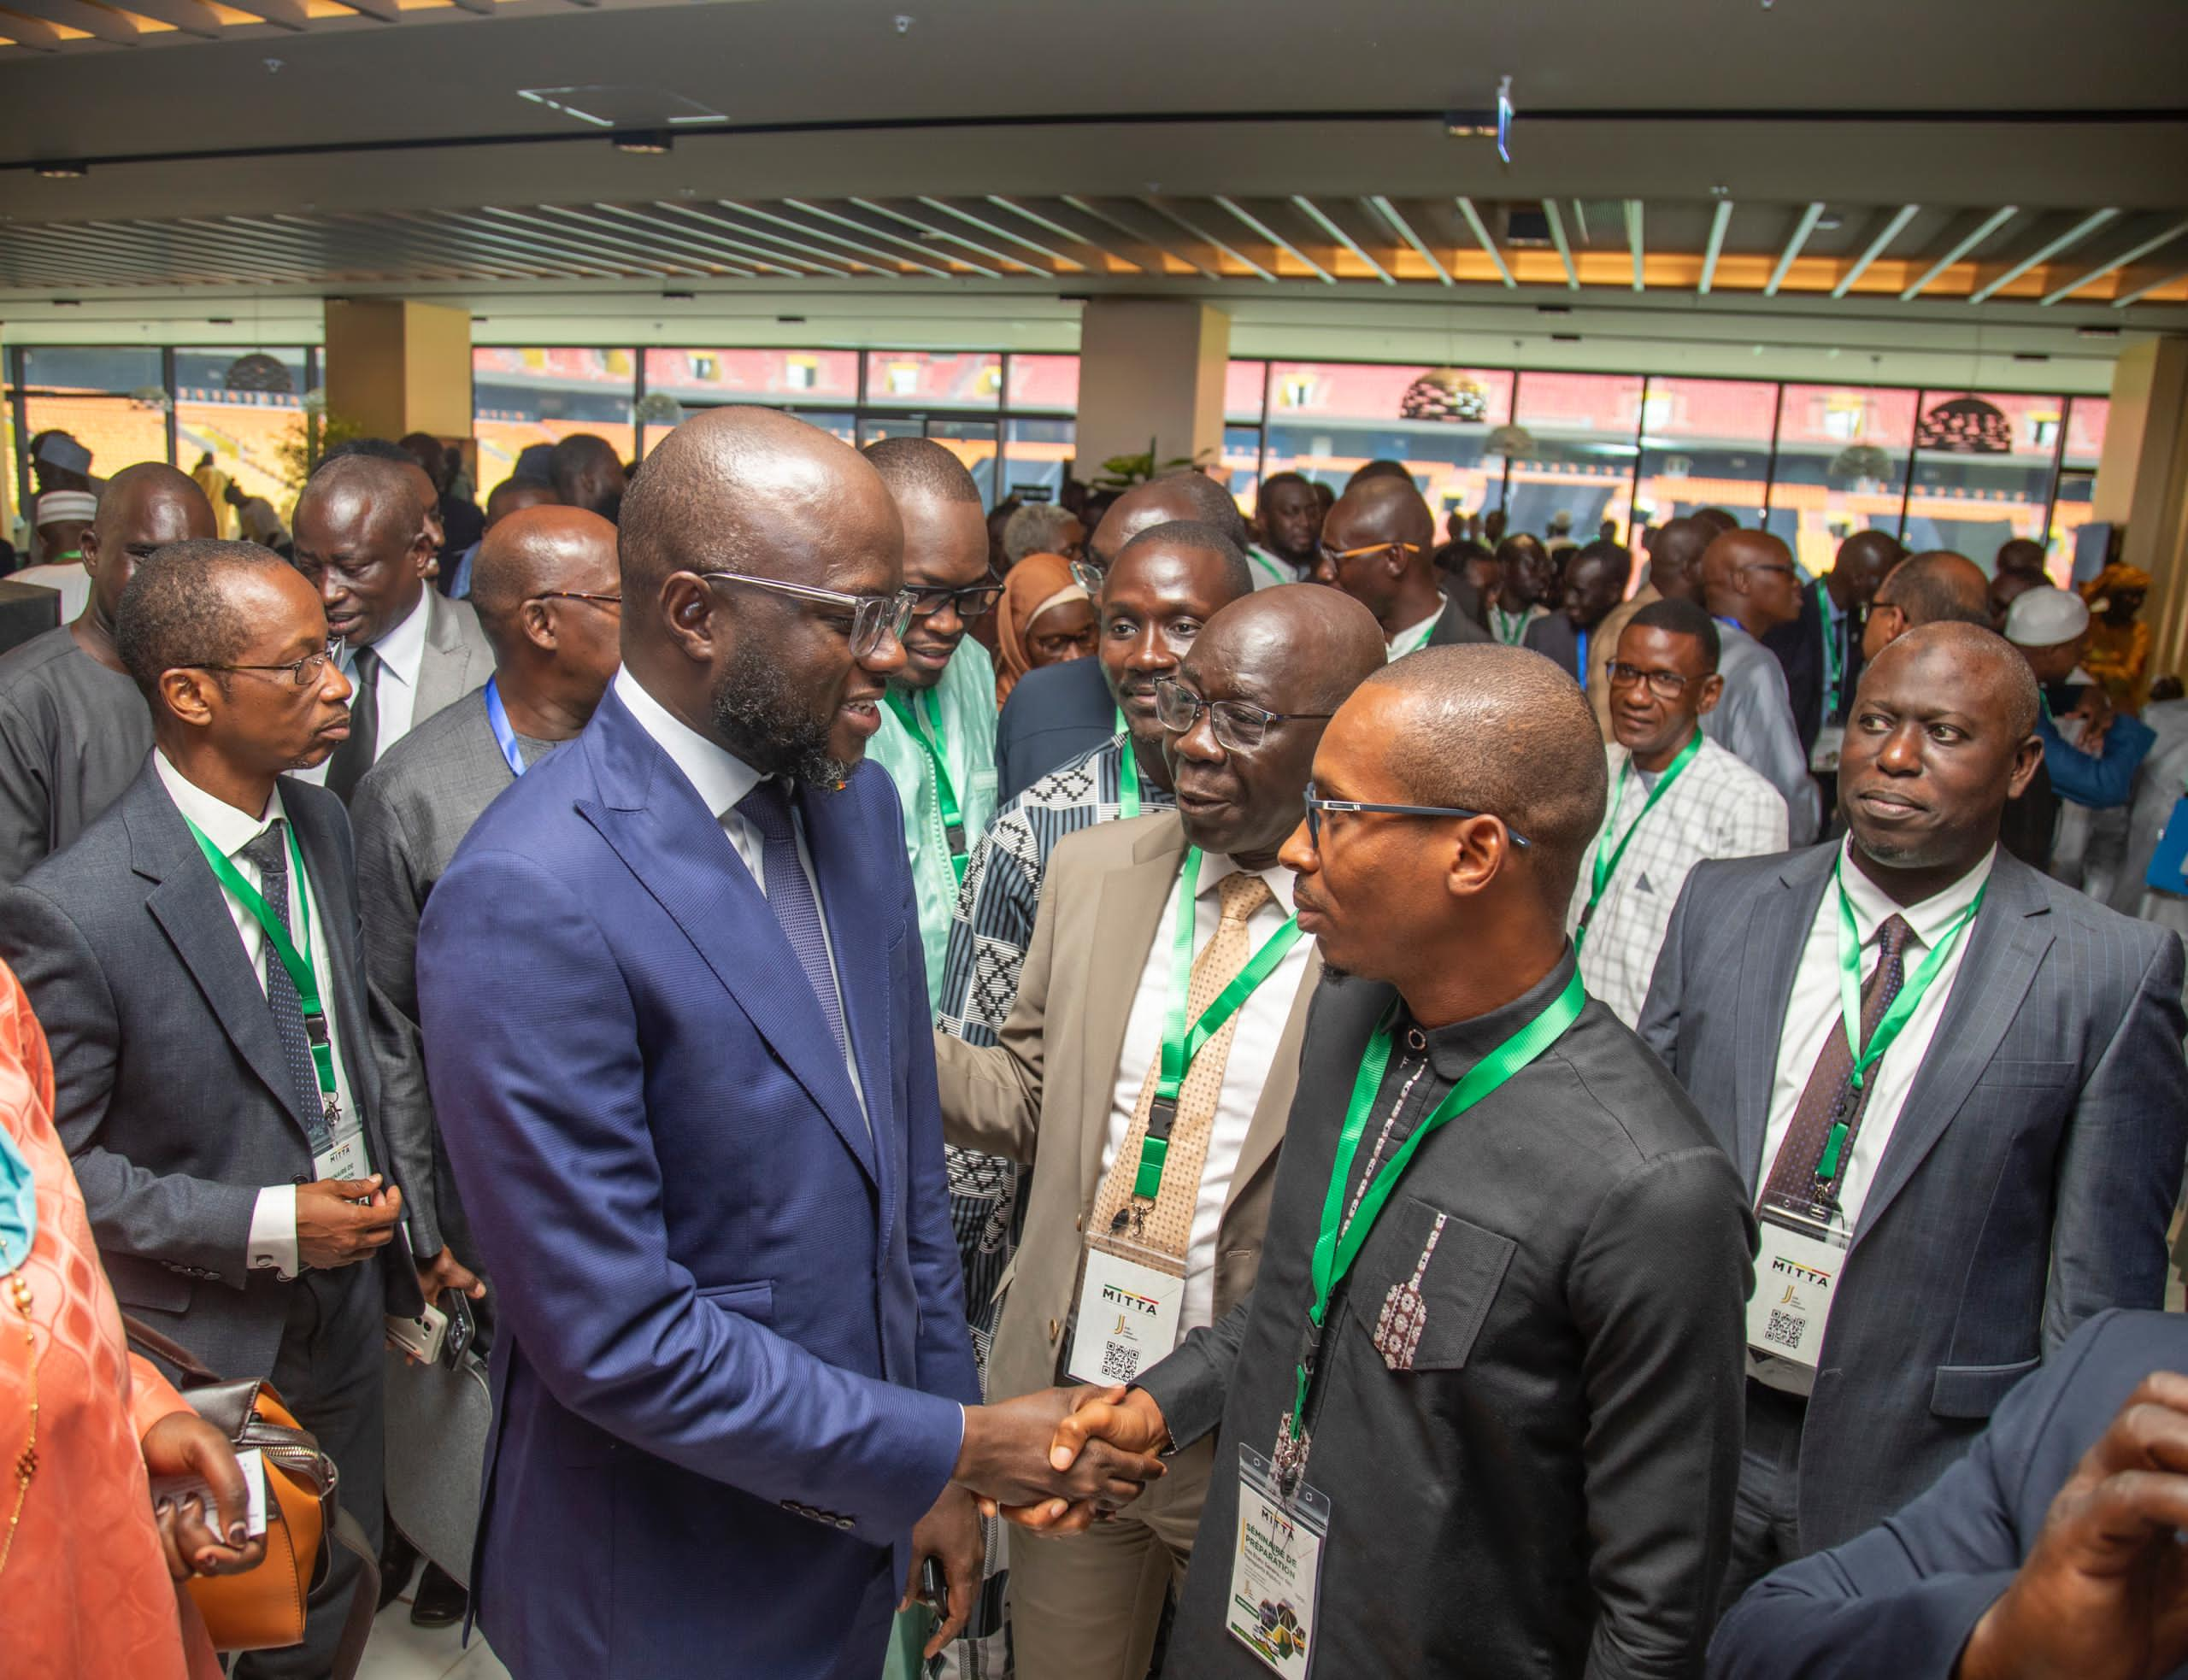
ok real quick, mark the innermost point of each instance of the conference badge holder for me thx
(1129, 1299)
(1798, 1267)
(1829, 742)
(342, 1155)
(1276, 1570)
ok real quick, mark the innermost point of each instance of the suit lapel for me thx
(1127, 923)
(1777, 930)
(673, 845)
(843, 855)
(190, 908)
(1279, 1084)
(445, 661)
(2006, 946)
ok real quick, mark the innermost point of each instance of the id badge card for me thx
(1129, 1298)
(1276, 1568)
(1829, 742)
(1797, 1271)
(345, 1156)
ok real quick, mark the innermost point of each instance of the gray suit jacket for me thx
(458, 657)
(2027, 1185)
(170, 1089)
(410, 812)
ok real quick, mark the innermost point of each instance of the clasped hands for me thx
(1061, 1458)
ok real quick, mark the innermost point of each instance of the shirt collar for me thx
(403, 648)
(718, 775)
(221, 822)
(1928, 920)
(1215, 869)
(1453, 1050)
(1399, 637)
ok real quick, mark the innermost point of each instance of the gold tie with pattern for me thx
(1167, 1223)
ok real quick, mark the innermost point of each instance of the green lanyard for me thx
(1834, 654)
(1339, 1241)
(1518, 622)
(1894, 1019)
(1127, 771)
(1179, 1048)
(1420, 638)
(953, 821)
(298, 963)
(1607, 863)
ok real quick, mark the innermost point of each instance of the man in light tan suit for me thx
(1153, 1118)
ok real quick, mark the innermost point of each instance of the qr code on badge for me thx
(1785, 1329)
(1119, 1361)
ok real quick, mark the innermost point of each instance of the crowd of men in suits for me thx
(1335, 1129)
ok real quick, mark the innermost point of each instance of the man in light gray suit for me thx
(365, 541)
(194, 959)
(2000, 1158)
(550, 602)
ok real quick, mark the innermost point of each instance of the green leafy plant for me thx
(1122, 471)
(309, 437)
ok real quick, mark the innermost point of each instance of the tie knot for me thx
(767, 807)
(264, 849)
(1892, 937)
(1241, 895)
(366, 663)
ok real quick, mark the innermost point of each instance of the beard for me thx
(770, 725)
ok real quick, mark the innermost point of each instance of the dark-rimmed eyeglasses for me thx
(1664, 685)
(1317, 806)
(615, 600)
(301, 671)
(873, 617)
(976, 601)
(1237, 727)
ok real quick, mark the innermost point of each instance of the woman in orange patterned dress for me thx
(89, 1573)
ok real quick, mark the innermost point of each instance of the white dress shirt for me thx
(1261, 1020)
(1814, 1011)
(1414, 637)
(401, 652)
(721, 778)
(273, 1241)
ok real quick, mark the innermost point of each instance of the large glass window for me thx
(519, 397)
(1328, 419)
(1039, 452)
(973, 443)
(2086, 417)
(933, 379)
(703, 378)
(1043, 382)
(111, 400)
(1705, 443)
(1982, 471)
(1571, 450)
(1841, 466)
(242, 410)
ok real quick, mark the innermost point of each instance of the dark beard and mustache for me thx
(770, 725)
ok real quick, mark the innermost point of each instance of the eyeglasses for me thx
(1664, 685)
(1238, 727)
(1316, 805)
(1336, 557)
(615, 600)
(873, 617)
(977, 602)
(302, 672)
(1770, 566)
(1088, 576)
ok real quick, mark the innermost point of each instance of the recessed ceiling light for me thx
(62, 171)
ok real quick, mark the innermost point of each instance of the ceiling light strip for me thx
(2155, 242)
(2066, 241)
(1481, 233)
(1389, 212)
(1313, 213)
(1991, 223)
(1893, 230)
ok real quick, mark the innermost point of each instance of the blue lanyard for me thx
(497, 719)
(1584, 659)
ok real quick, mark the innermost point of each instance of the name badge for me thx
(1829, 742)
(345, 1156)
(1276, 1571)
(1797, 1272)
(1128, 1306)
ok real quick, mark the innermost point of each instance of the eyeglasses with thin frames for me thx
(1317, 806)
(301, 671)
(1237, 727)
(873, 617)
(615, 600)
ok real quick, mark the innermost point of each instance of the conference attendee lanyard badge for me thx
(1283, 1520)
(945, 795)
(1803, 1241)
(1606, 861)
(1132, 1292)
(497, 719)
(1127, 772)
(1830, 735)
(2169, 870)
(338, 1141)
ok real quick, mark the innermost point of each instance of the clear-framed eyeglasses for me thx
(1238, 726)
(302, 672)
(873, 617)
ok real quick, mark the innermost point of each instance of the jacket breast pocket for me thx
(756, 1302)
(1975, 1390)
(1422, 1299)
(2027, 1075)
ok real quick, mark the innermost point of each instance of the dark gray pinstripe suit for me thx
(2028, 1183)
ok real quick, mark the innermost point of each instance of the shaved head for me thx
(1505, 731)
(1939, 587)
(1382, 508)
(1179, 496)
(1673, 563)
(394, 487)
(1748, 575)
(537, 551)
(1266, 631)
(1985, 669)
(913, 467)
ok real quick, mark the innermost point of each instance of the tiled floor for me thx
(398, 1651)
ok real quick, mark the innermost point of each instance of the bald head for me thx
(1179, 496)
(144, 507)
(1747, 576)
(539, 551)
(1864, 560)
(586, 473)
(393, 489)
(1378, 546)
(1674, 563)
(1506, 731)
(1264, 634)
(919, 467)
(1980, 670)
(1382, 508)
(1937, 587)
(2022, 556)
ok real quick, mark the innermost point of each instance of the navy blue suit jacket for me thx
(1903, 1598)
(1054, 714)
(733, 1344)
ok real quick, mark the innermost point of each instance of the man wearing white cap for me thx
(2091, 764)
(60, 517)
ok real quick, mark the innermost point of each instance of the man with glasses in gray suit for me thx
(1955, 1088)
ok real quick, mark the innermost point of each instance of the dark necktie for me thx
(269, 853)
(355, 755)
(790, 895)
(1829, 1096)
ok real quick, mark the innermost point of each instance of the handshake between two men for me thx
(1054, 1461)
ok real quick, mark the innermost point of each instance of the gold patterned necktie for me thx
(1166, 1224)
